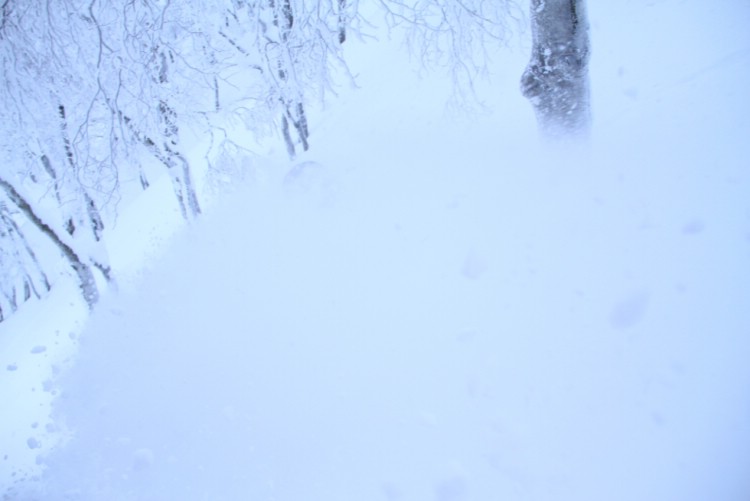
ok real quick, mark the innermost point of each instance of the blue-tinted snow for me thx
(428, 307)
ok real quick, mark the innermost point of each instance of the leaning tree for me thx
(92, 90)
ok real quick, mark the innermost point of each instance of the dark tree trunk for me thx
(556, 79)
(342, 21)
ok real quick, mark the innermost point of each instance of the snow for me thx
(428, 306)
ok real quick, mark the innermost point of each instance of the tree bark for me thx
(556, 79)
(22, 272)
(342, 21)
(294, 109)
(180, 174)
(86, 279)
(10, 230)
(95, 221)
(181, 179)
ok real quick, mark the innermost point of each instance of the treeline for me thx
(94, 90)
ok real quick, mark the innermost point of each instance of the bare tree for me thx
(455, 35)
(93, 89)
(87, 282)
(46, 147)
(87, 85)
(294, 47)
(21, 276)
(556, 79)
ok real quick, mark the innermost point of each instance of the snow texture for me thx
(427, 307)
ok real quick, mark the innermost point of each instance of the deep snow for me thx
(429, 307)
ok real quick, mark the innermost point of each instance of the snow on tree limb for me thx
(93, 89)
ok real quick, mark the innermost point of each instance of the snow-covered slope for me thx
(429, 307)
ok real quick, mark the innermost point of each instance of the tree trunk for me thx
(85, 276)
(25, 257)
(22, 272)
(342, 21)
(556, 79)
(181, 179)
(94, 220)
(294, 109)
(182, 183)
